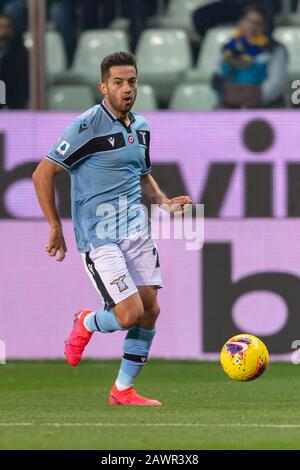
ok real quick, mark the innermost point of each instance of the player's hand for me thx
(177, 205)
(56, 243)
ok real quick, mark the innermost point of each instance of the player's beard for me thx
(120, 105)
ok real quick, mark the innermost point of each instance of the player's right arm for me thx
(44, 184)
(72, 148)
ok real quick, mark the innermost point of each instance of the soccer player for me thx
(106, 152)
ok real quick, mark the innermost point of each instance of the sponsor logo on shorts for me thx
(120, 283)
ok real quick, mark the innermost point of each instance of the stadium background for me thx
(243, 165)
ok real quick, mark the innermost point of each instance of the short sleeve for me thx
(73, 145)
(144, 139)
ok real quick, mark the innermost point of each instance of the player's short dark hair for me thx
(262, 10)
(117, 58)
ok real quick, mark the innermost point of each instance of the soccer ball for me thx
(244, 358)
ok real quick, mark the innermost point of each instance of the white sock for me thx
(84, 322)
(120, 386)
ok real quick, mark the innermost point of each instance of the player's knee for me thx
(130, 318)
(152, 313)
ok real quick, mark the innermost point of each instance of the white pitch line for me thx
(175, 425)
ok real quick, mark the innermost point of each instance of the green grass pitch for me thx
(50, 405)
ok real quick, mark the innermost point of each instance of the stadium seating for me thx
(209, 56)
(56, 61)
(146, 100)
(287, 16)
(163, 56)
(70, 98)
(179, 13)
(289, 36)
(294, 18)
(93, 46)
(164, 61)
(193, 97)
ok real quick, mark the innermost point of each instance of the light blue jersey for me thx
(105, 159)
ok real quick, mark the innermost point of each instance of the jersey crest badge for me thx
(143, 134)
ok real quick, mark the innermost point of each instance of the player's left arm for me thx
(152, 192)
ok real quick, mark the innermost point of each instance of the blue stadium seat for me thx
(179, 13)
(145, 100)
(56, 61)
(289, 36)
(194, 97)
(209, 55)
(70, 98)
(163, 56)
(92, 47)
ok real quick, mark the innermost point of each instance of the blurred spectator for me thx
(69, 17)
(138, 14)
(253, 70)
(63, 15)
(17, 11)
(13, 64)
(228, 11)
(100, 13)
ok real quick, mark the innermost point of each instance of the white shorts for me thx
(116, 269)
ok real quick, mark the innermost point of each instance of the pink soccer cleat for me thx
(78, 339)
(129, 397)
